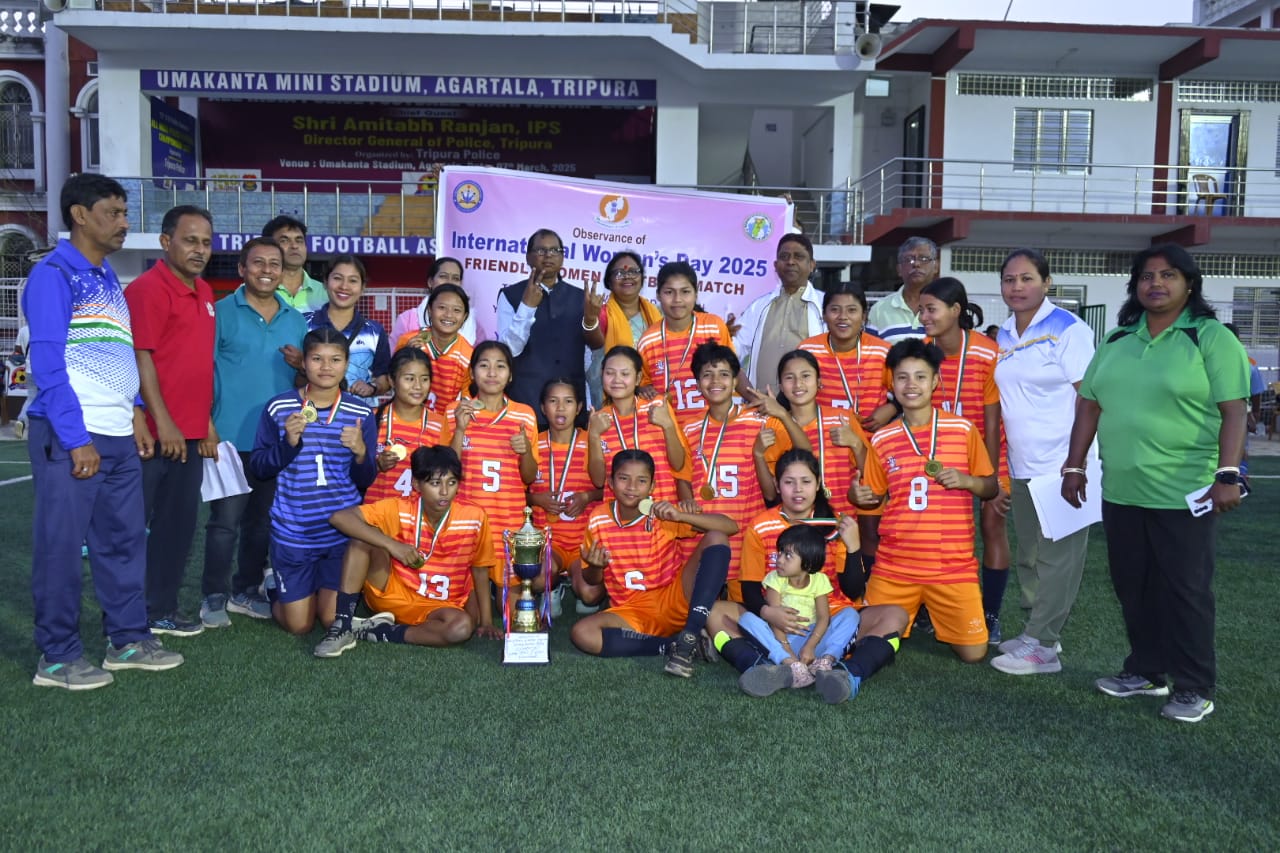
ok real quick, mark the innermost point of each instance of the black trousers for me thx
(245, 519)
(1162, 570)
(171, 494)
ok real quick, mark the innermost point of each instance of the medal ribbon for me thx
(710, 466)
(551, 461)
(635, 427)
(666, 354)
(816, 522)
(437, 353)
(844, 380)
(306, 401)
(506, 406)
(391, 415)
(964, 357)
(933, 437)
(417, 527)
(613, 510)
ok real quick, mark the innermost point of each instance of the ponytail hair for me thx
(950, 291)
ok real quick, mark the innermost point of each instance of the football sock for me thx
(625, 643)
(993, 584)
(713, 569)
(871, 654)
(739, 653)
(347, 602)
(388, 633)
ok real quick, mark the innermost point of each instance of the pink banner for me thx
(484, 218)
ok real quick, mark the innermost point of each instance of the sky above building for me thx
(1130, 12)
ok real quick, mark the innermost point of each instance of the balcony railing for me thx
(814, 27)
(1092, 188)
(394, 209)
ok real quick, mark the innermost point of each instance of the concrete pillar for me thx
(57, 126)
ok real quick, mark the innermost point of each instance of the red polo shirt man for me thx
(171, 309)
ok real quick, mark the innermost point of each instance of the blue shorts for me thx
(301, 572)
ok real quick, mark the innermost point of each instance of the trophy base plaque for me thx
(524, 649)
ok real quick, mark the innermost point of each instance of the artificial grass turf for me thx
(255, 744)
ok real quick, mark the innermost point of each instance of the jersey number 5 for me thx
(491, 470)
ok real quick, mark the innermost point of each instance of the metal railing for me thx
(1094, 188)
(394, 208)
(814, 27)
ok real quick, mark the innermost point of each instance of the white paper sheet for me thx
(225, 477)
(1059, 519)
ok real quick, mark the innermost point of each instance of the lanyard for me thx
(710, 466)
(306, 402)
(635, 427)
(391, 416)
(568, 460)
(933, 437)
(964, 356)
(506, 406)
(438, 353)
(417, 526)
(666, 354)
(844, 380)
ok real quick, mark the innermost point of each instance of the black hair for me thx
(87, 189)
(169, 224)
(711, 352)
(1178, 258)
(845, 288)
(630, 353)
(439, 460)
(339, 260)
(633, 454)
(931, 354)
(1037, 260)
(441, 289)
(608, 268)
(539, 234)
(254, 243)
(436, 263)
(280, 223)
(681, 268)
(484, 347)
(403, 357)
(796, 237)
(551, 383)
(821, 505)
(807, 543)
(950, 291)
(328, 336)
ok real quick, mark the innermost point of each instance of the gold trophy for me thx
(526, 629)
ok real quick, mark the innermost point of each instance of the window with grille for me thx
(15, 251)
(1055, 86)
(1228, 91)
(1256, 313)
(17, 141)
(1049, 141)
(92, 156)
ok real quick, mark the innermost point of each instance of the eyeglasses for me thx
(917, 260)
(548, 251)
(625, 272)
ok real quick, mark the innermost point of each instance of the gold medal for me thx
(309, 413)
(708, 492)
(826, 493)
(399, 451)
(420, 562)
(933, 467)
(645, 506)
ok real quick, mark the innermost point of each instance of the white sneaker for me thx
(1028, 659)
(557, 600)
(1021, 640)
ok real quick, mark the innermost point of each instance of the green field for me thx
(255, 744)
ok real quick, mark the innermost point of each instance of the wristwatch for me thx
(1227, 478)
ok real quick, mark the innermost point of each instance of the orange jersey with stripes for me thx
(397, 481)
(560, 470)
(450, 370)
(839, 465)
(463, 542)
(733, 474)
(668, 364)
(760, 547)
(926, 534)
(491, 469)
(628, 432)
(855, 379)
(977, 388)
(644, 554)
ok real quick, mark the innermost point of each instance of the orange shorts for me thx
(955, 608)
(405, 604)
(565, 554)
(657, 612)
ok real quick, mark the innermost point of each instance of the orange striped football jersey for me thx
(855, 379)
(760, 553)
(463, 541)
(839, 464)
(397, 481)
(723, 459)
(668, 361)
(631, 431)
(644, 554)
(562, 468)
(450, 370)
